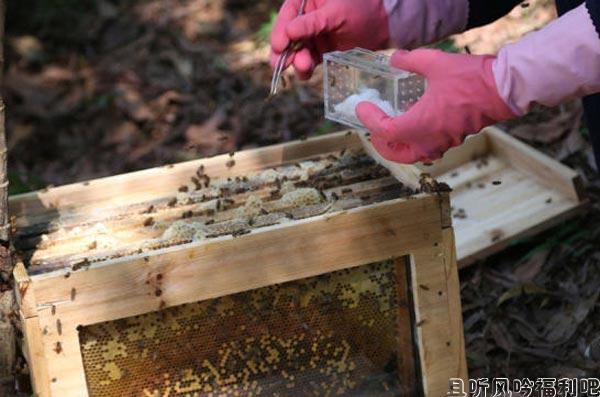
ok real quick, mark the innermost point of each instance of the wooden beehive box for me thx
(314, 273)
(300, 269)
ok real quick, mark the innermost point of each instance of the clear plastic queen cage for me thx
(361, 75)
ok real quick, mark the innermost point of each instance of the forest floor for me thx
(99, 87)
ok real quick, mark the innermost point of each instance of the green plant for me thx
(19, 183)
(585, 131)
(264, 32)
(325, 127)
(446, 45)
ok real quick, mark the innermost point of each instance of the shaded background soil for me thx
(99, 87)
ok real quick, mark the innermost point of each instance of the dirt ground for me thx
(100, 87)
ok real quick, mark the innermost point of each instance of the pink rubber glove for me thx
(328, 25)
(461, 98)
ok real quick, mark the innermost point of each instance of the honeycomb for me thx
(345, 333)
(207, 207)
(185, 230)
(301, 197)
(251, 208)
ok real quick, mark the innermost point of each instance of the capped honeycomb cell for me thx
(336, 334)
(301, 197)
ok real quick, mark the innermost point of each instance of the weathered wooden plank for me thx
(407, 362)
(438, 316)
(454, 306)
(63, 353)
(475, 146)
(24, 296)
(36, 358)
(551, 172)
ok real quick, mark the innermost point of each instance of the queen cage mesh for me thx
(343, 333)
(357, 75)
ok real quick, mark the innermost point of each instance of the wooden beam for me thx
(474, 146)
(24, 295)
(408, 174)
(474, 246)
(408, 352)
(63, 352)
(438, 316)
(551, 172)
(33, 349)
(454, 305)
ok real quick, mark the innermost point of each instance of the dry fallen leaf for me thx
(564, 323)
(522, 289)
(28, 47)
(209, 138)
(572, 144)
(125, 132)
(527, 270)
(19, 132)
(130, 101)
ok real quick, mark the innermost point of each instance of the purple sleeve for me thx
(413, 23)
(552, 65)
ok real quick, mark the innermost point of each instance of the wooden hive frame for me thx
(53, 305)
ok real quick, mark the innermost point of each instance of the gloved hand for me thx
(328, 25)
(460, 98)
